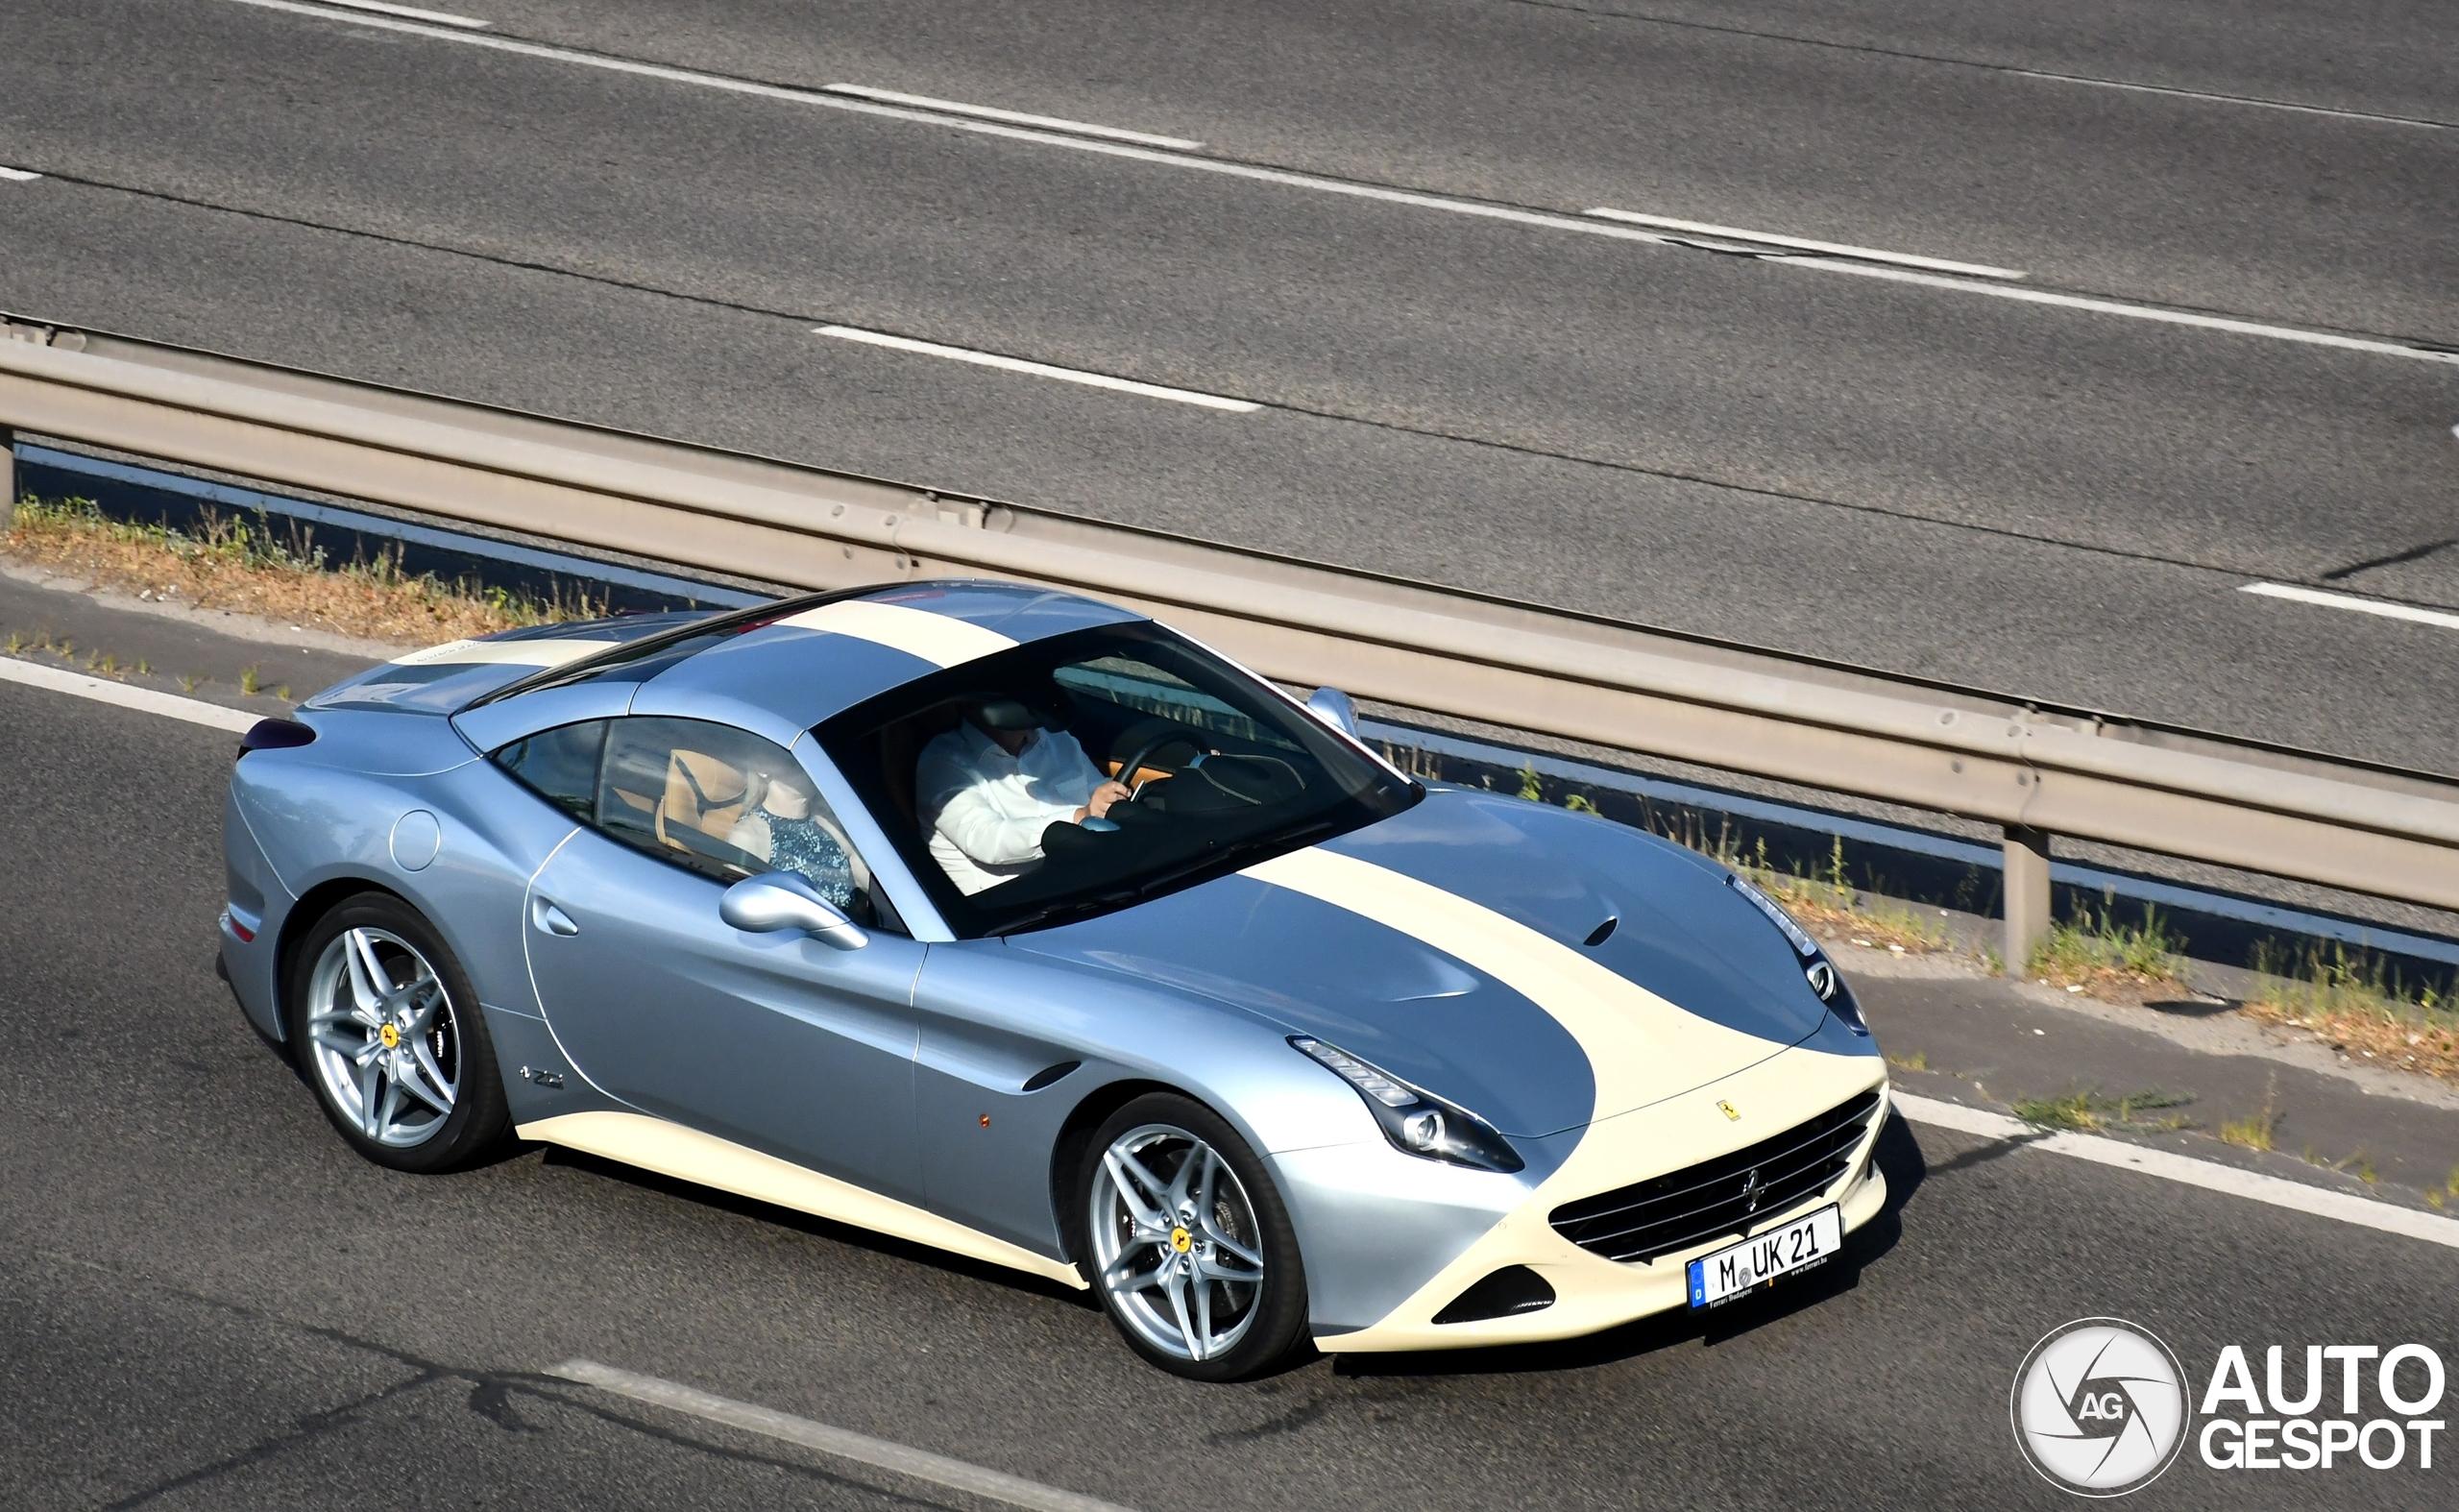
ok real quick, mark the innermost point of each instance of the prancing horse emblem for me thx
(1751, 1190)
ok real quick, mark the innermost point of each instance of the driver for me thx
(989, 787)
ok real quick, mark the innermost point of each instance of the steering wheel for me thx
(1128, 768)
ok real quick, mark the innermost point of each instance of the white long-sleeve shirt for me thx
(988, 809)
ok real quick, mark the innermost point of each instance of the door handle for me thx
(550, 920)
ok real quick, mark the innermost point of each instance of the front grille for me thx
(1719, 1198)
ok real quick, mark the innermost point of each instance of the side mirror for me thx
(781, 900)
(1332, 706)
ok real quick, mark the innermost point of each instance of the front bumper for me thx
(1592, 1293)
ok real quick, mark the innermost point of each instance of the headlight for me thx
(1816, 969)
(1413, 1119)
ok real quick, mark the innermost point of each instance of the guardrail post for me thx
(8, 477)
(2025, 893)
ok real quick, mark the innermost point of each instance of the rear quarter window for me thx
(560, 766)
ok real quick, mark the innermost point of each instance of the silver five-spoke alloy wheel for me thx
(1176, 1243)
(383, 1038)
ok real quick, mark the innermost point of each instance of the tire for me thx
(1182, 1295)
(372, 967)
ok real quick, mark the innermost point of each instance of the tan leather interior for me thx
(702, 793)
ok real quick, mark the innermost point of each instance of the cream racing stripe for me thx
(553, 652)
(943, 639)
(1645, 1052)
(688, 1154)
(1641, 1048)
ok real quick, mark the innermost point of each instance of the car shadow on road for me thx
(1898, 1157)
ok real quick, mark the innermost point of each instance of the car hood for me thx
(1450, 945)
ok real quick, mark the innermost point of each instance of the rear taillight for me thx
(268, 735)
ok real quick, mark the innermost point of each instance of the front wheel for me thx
(1187, 1243)
(387, 1029)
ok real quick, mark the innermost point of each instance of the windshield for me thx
(1080, 773)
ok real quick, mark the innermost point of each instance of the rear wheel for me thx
(387, 1029)
(1187, 1244)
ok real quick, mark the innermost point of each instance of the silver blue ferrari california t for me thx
(1016, 924)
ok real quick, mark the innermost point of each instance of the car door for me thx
(776, 1042)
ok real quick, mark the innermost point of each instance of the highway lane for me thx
(1931, 481)
(1726, 120)
(205, 1299)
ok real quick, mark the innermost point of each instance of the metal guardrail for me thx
(2033, 770)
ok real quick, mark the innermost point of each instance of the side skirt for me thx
(688, 1154)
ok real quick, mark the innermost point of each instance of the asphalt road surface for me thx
(2038, 494)
(208, 1301)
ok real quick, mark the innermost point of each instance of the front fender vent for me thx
(1720, 1197)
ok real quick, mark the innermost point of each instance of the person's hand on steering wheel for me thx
(1099, 805)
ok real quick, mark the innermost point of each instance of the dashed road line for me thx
(19, 175)
(880, 1453)
(1018, 117)
(993, 359)
(1586, 225)
(1977, 270)
(2382, 607)
(2252, 1186)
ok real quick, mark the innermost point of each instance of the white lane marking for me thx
(941, 638)
(19, 175)
(1590, 226)
(1979, 270)
(2374, 607)
(843, 1442)
(990, 360)
(145, 700)
(2253, 1185)
(2174, 317)
(1018, 117)
(411, 12)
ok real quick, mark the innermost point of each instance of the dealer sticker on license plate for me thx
(1737, 1268)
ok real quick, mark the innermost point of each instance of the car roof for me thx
(801, 669)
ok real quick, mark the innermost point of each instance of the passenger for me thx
(989, 787)
(778, 828)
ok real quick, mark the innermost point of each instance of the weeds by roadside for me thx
(2254, 1132)
(1829, 906)
(2088, 1112)
(243, 563)
(2353, 1002)
(2095, 952)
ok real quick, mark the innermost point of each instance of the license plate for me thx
(1737, 1268)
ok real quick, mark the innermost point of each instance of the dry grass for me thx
(2257, 1131)
(242, 564)
(2127, 963)
(1825, 903)
(2089, 1111)
(2353, 1002)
